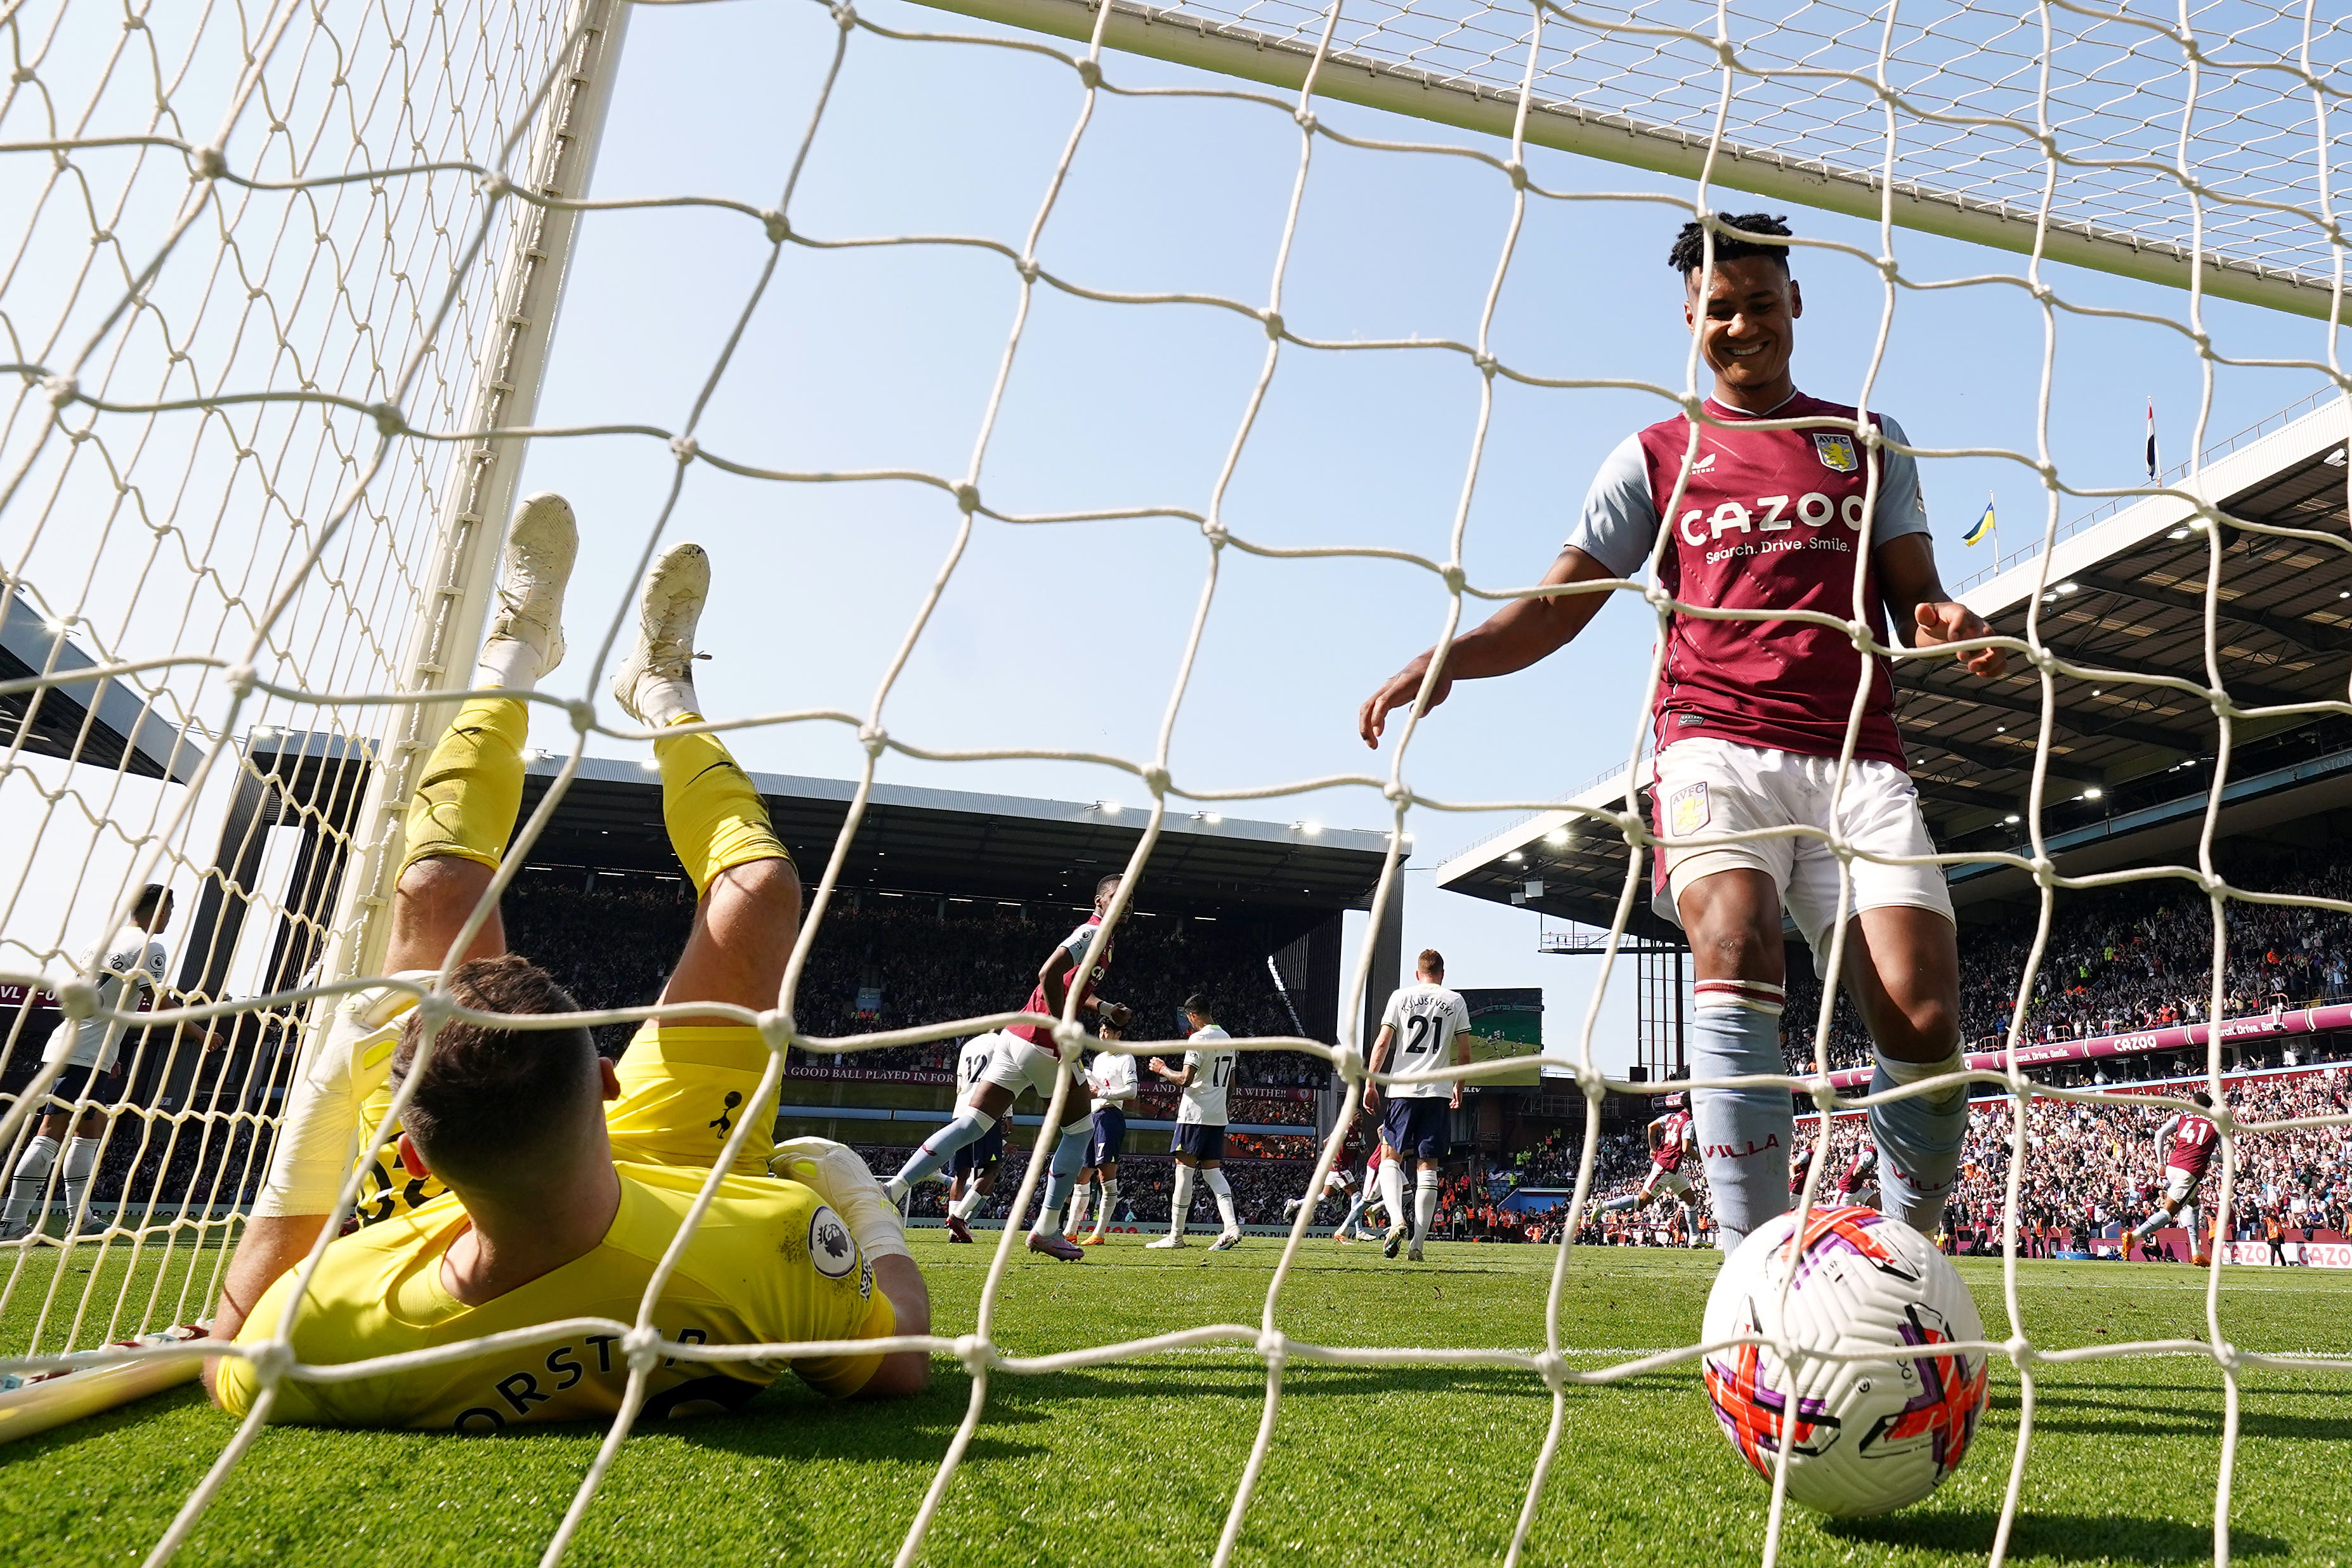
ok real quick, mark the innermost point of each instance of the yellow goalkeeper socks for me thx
(467, 803)
(716, 818)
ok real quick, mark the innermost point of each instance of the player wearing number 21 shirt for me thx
(1425, 1026)
(1771, 500)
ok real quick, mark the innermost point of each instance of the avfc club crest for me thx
(1687, 809)
(1835, 450)
(829, 1246)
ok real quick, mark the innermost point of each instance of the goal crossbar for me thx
(1189, 36)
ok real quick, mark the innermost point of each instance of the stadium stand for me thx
(2091, 1173)
(915, 959)
(2137, 957)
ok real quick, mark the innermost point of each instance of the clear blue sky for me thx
(1070, 637)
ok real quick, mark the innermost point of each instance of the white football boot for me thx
(525, 640)
(1166, 1242)
(655, 684)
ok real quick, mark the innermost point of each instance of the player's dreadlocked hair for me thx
(1689, 254)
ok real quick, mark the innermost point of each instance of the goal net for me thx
(280, 300)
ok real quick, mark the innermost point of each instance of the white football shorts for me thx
(1015, 1064)
(1708, 786)
(1662, 1181)
(2180, 1185)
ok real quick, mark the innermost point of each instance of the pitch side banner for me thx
(2316, 1254)
(869, 1074)
(2302, 1021)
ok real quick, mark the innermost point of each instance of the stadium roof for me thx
(2131, 765)
(1004, 847)
(100, 722)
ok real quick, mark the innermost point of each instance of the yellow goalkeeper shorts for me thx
(684, 1090)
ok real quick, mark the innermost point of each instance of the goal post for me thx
(1386, 65)
(463, 569)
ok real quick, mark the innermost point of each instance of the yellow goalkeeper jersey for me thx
(769, 1263)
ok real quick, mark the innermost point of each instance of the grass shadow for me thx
(2120, 1418)
(2052, 1537)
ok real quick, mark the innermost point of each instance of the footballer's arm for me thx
(1054, 979)
(1918, 606)
(1523, 632)
(904, 1372)
(270, 1244)
(1181, 1077)
(1380, 1062)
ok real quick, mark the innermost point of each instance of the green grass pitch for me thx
(1134, 1463)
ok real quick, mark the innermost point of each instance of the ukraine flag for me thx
(1982, 527)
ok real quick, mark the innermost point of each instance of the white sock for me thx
(31, 1174)
(1109, 1210)
(1392, 1191)
(969, 1205)
(510, 662)
(1079, 1202)
(1049, 1223)
(1223, 1192)
(2188, 1224)
(1180, 1202)
(81, 1159)
(1424, 1204)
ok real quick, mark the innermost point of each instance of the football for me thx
(1873, 1433)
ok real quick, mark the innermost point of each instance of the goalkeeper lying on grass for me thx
(536, 1182)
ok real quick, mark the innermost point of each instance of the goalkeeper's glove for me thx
(837, 1175)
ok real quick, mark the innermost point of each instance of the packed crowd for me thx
(885, 962)
(2095, 1167)
(2136, 957)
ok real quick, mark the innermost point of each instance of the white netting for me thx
(257, 314)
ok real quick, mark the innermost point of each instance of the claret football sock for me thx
(1743, 1134)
